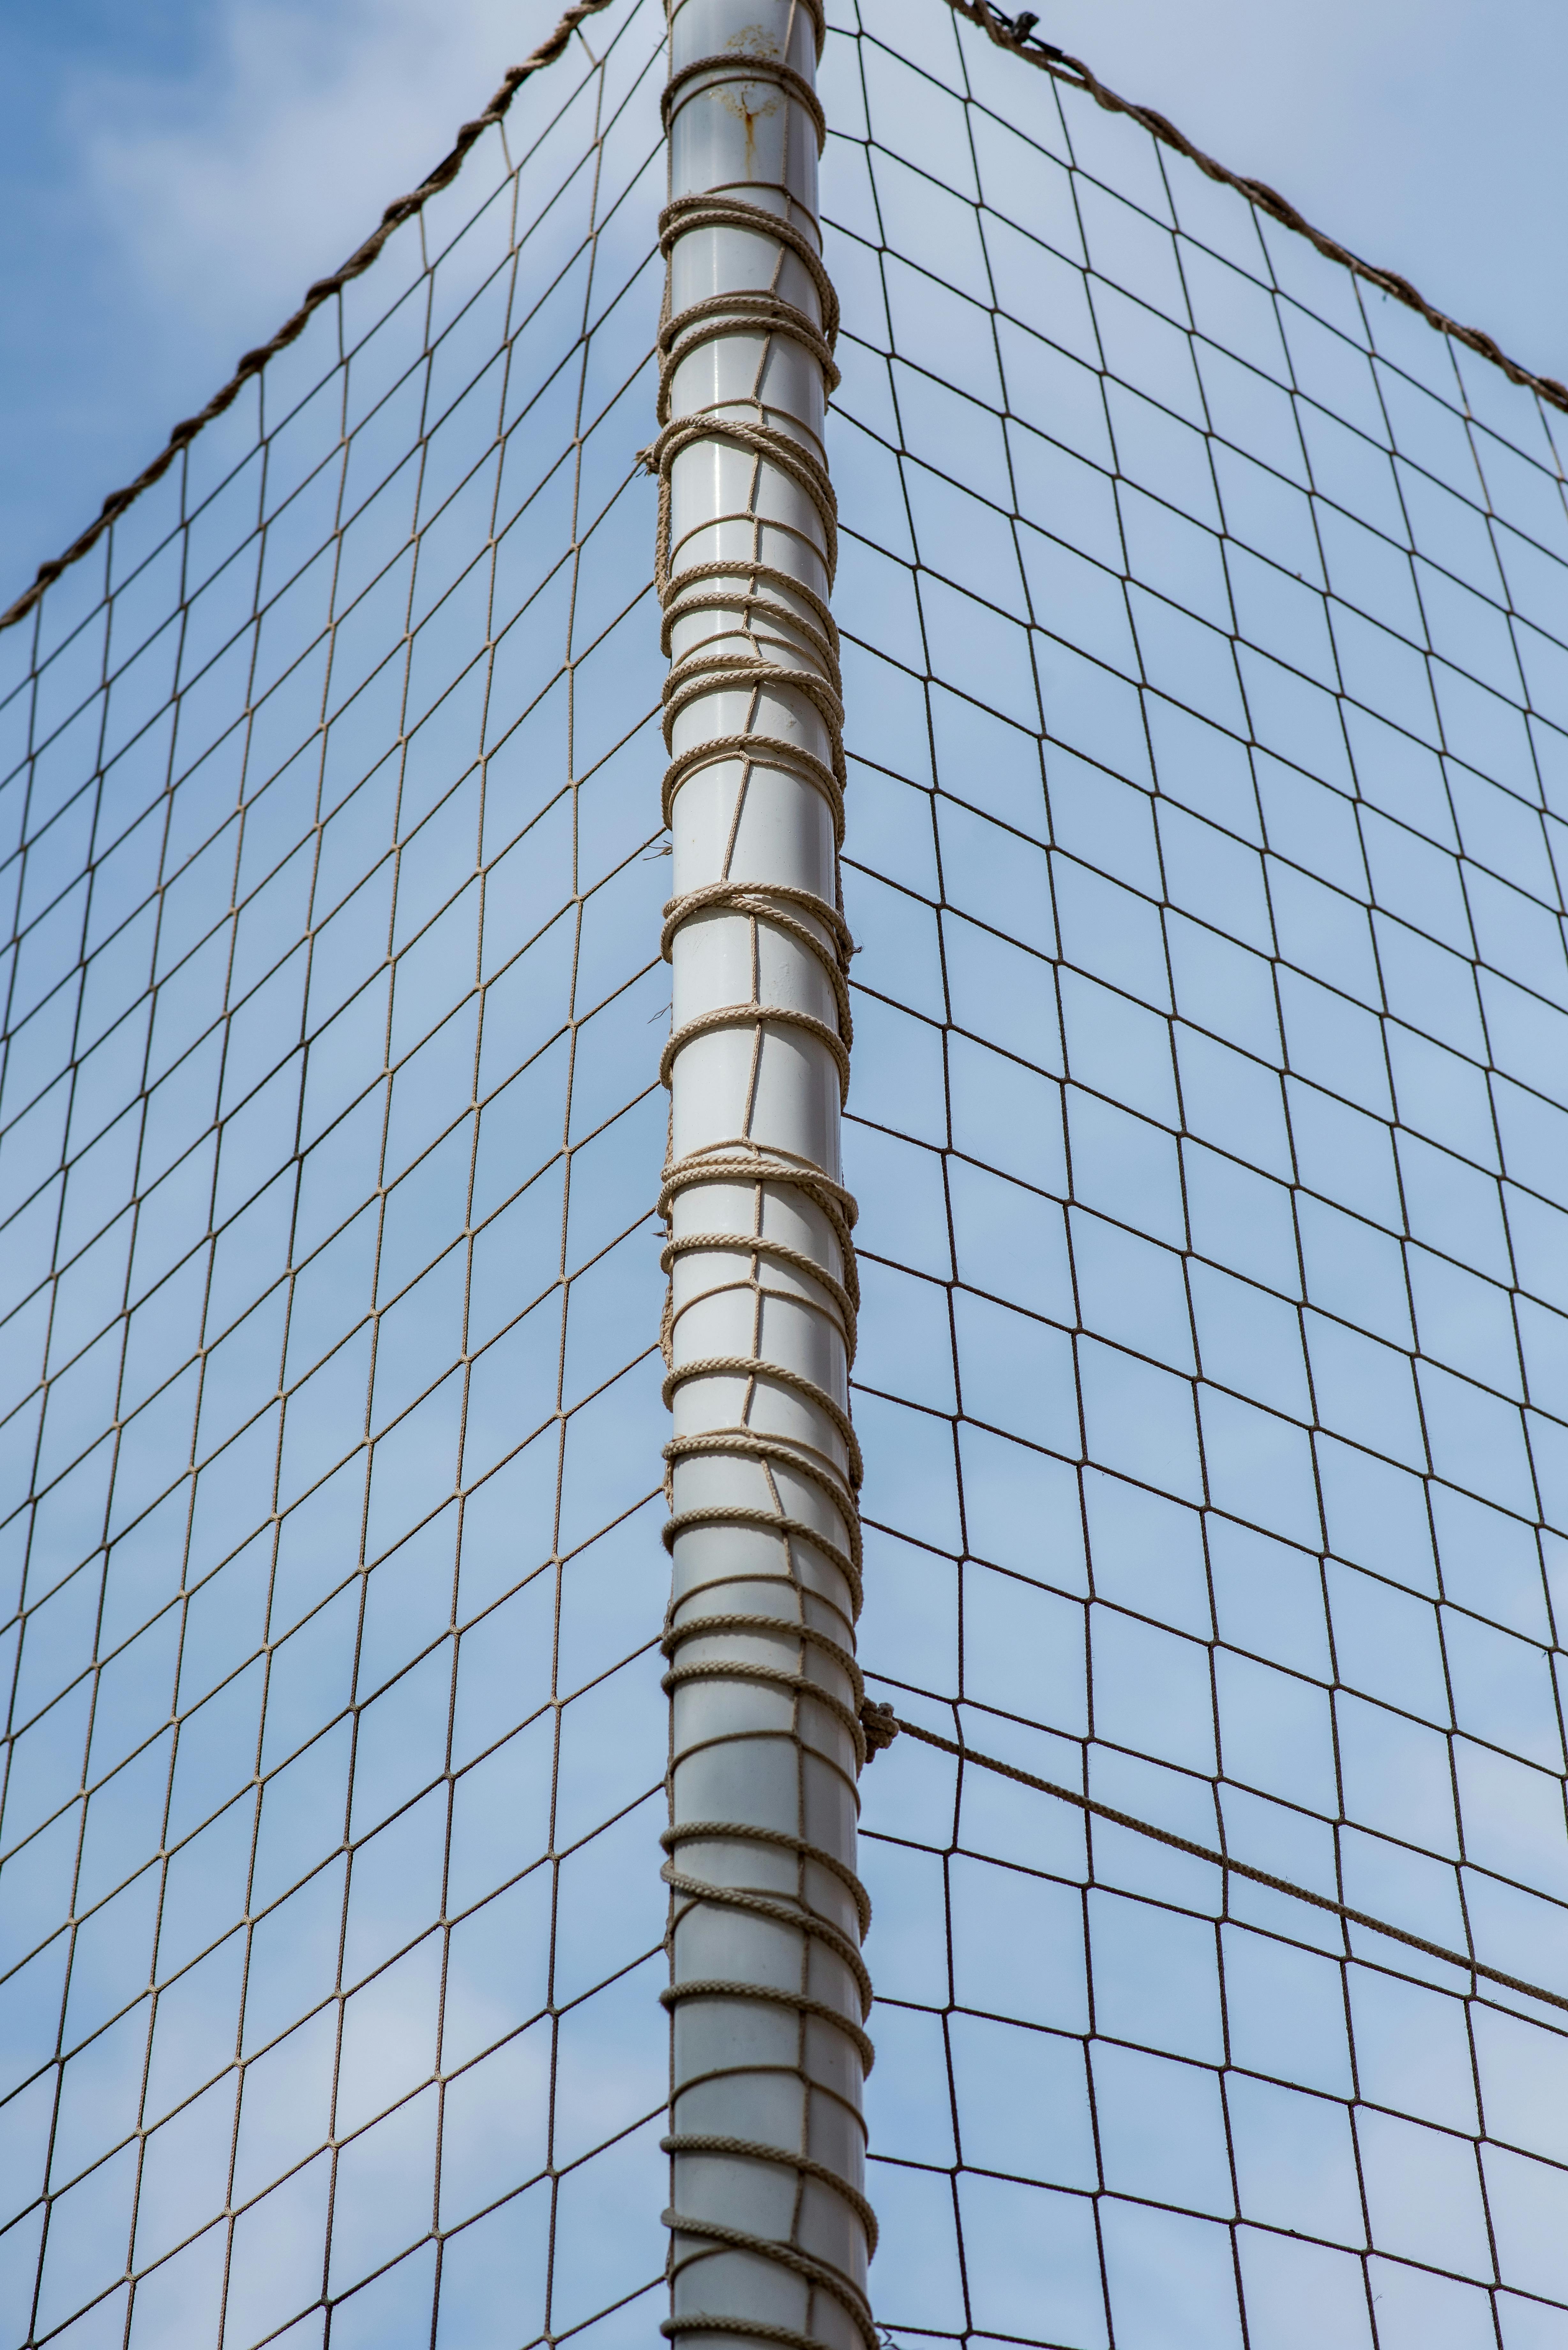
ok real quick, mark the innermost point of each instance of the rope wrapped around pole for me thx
(771, 2231)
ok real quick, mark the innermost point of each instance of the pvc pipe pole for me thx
(770, 2229)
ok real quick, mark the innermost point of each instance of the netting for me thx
(329, 1131)
(1208, 706)
(1207, 692)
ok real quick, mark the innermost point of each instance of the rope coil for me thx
(697, 2142)
(727, 1515)
(747, 1444)
(748, 898)
(788, 1628)
(786, 1451)
(756, 898)
(819, 2273)
(679, 605)
(726, 314)
(753, 1244)
(691, 1831)
(766, 442)
(753, 1162)
(769, 749)
(779, 1913)
(757, 1015)
(752, 1366)
(702, 671)
(751, 1284)
(689, 213)
(752, 630)
(736, 1669)
(718, 1987)
(752, 2328)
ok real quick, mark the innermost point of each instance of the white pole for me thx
(771, 2232)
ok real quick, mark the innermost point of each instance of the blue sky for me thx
(172, 176)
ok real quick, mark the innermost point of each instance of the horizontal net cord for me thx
(702, 2142)
(1017, 35)
(883, 1726)
(402, 208)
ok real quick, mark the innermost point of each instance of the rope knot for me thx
(880, 1724)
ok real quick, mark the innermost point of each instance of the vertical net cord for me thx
(771, 2230)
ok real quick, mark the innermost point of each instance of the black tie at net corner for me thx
(882, 1725)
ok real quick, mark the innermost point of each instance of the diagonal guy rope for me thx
(402, 209)
(882, 1725)
(1017, 35)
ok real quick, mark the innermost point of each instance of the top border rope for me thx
(402, 209)
(1015, 34)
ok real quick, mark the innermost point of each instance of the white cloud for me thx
(228, 190)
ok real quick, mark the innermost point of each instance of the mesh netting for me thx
(1211, 1099)
(1210, 1041)
(328, 1135)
